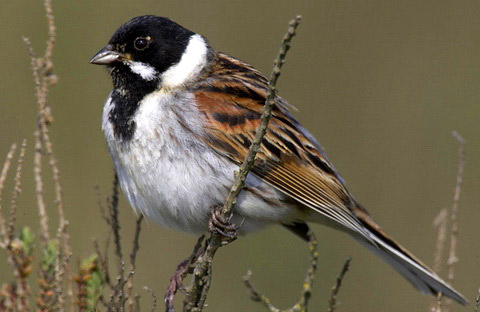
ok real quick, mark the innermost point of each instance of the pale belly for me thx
(175, 180)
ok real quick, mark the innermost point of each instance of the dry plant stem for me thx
(136, 239)
(440, 222)
(43, 78)
(117, 301)
(256, 295)
(196, 296)
(15, 194)
(52, 30)
(38, 155)
(260, 132)
(22, 289)
(133, 257)
(103, 260)
(3, 176)
(332, 303)
(59, 275)
(114, 223)
(154, 298)
(118, 298)
(120, 295)
(42, 212)
(452, 256)
(302, 304)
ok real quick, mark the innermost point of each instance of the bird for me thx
(180, 120)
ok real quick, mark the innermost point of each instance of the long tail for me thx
(404, 262)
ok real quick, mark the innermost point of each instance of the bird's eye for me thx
(141, 43)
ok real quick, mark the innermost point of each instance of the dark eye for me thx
(141, 43)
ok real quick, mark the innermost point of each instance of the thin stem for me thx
(201, 280)
(3, 176)
(332, 304)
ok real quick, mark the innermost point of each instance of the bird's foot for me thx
(222, 225)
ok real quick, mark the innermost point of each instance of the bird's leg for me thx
(219, 224)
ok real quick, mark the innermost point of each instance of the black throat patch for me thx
(128, 91)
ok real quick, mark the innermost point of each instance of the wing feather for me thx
(231, 99)
(289, 159)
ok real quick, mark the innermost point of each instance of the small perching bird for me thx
(180, 120)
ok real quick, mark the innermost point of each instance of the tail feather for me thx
(418, 274)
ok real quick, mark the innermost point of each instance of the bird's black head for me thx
(144, 48)
(146, 54)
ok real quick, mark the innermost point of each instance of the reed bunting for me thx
(180, 120)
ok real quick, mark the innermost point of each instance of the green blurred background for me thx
(381, 84)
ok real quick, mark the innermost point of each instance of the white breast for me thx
(172, 177)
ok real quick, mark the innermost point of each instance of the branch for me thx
(114, 222)
(197, 294)
(122, 288)
(452, 257)
(133, 258)
(42, 69)
(440, 222)
(12, 246)
(332, 304)
(266, 115)
(3, 177)
(302, 304)
(154, 298)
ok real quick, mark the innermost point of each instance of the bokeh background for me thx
(381, 84)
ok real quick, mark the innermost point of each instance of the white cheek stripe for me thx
(145, 71)
(193, 60)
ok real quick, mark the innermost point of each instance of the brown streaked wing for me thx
(231, 99)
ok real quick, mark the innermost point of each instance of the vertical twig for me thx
(13, 250)
(42, 211)
(133, 258)
(52, 29)
(120, 295)
(3, 177)
(202, 272)
(15, 194)
(44, 78)
(136, 240)
(260, 132)
(302, 304)
(154, 298)
(452, 258)
(440, 223)
(59, 272)
(114, 214)
(38, 153)
(332, 303)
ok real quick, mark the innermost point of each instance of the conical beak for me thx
(106, 56)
